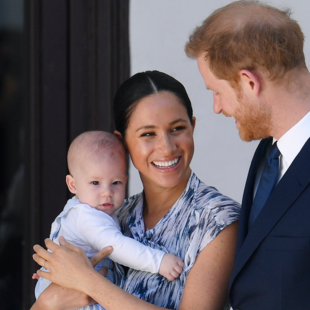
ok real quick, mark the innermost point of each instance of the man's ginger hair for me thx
(93, 145)
(248, 35)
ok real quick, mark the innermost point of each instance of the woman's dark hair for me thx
(141, 85)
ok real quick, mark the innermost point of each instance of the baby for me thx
(97, 167)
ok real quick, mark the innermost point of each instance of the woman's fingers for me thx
(103, 271)
(39, 260)
(51, 244)
(41, 252)
(101, 255)
(44, 274)
(63, 242)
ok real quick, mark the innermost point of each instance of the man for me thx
(251, 56)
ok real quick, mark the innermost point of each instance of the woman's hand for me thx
(67, 264)
(56, 297)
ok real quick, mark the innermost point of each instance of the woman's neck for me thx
(158, 200)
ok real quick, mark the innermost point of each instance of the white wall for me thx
(159, 30)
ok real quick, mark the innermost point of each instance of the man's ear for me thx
(120, 137)
(71, 183)
(250, 82)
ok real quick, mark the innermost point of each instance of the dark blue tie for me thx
(267, 182)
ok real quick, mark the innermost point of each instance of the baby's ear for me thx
(71, 183)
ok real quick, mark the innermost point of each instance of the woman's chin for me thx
(172, 180)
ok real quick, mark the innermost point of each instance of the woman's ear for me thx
(120, 137)
(194, 121)
(71, 184)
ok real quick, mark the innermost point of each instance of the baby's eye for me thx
(95, 182)
(116, 182)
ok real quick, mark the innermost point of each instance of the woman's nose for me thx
(167, 145)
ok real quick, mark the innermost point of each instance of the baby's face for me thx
(101, 183)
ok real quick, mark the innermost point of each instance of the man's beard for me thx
(254, 120)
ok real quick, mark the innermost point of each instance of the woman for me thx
(176, 212)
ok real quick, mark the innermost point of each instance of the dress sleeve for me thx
(99, 230)
(219, 212)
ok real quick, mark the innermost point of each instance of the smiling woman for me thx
(159, 139)
(176, 213)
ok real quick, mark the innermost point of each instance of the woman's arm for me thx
(79, 275)
(57, 297)
(206, 286)
(208, 282)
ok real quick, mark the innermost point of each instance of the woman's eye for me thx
(116, 182)
(148, 134)
(95, 182)
(178, 128)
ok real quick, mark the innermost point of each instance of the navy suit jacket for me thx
(272, 263)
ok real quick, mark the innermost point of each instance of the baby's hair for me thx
(94, 145)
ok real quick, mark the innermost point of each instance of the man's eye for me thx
(95, 183)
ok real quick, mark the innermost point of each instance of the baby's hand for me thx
(171, 267)
(35, 276)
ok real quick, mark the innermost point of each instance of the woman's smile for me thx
(159, 139)
(167, 165)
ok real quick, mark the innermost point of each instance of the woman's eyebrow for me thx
(153, 126)
(178, 120)
(146, 127)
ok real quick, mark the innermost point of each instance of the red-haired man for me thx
(251, 56)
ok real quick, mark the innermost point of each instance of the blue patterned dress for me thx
(194, 220)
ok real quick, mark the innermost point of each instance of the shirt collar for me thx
(294, 139)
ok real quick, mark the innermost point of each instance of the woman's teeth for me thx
(166, 164)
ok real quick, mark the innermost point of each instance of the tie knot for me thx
(274, 151)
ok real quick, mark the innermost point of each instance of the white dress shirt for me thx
(289, 146)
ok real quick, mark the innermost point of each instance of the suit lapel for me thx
(248, 192)
(295, 180)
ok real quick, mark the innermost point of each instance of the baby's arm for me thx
(131, 253)
(100, 231)
(171, 267)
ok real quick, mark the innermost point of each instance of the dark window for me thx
(60, 64)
